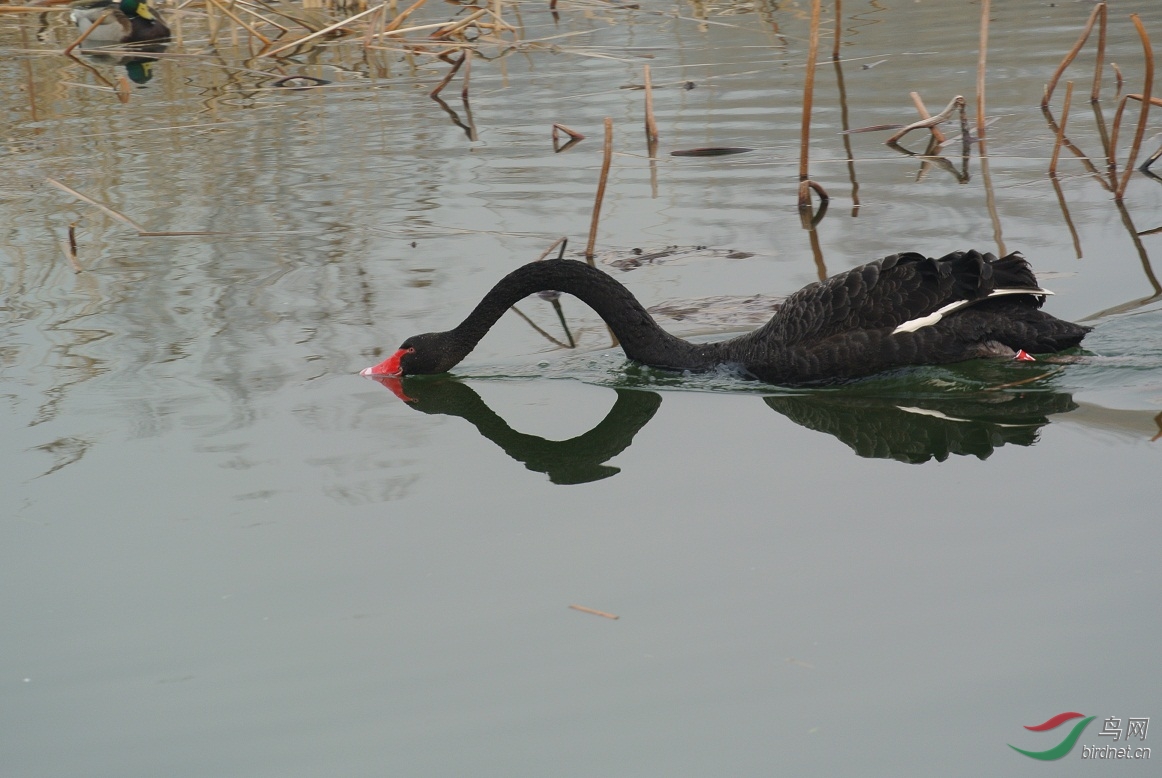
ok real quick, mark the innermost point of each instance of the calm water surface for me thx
(224, 553)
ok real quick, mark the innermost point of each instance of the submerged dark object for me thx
(710, 151)
(905, 309)
(132, 21)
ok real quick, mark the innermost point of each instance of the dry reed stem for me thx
(88, 32)
(265, 40)
(606, 160)
(460, 25)
(539, 330)
(320, 33)
(141, 231)
(394, 24)
(651, 124)
(455, 66)
(603, 614)
(467, 73)
(1061, 128)
(980, 68)
(1100, 8)
(1147, 89)
(30, 9)
(563, 239)
(106, 209)
(808, 97)
(1095, 93)
(939, 118)
(838, 29)
(923, 111)
(247, 9)
(571, 133)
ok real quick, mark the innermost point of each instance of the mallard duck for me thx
(132, 21)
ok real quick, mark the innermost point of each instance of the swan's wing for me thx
(901, 291)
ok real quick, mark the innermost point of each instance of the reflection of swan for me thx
(574, 461)
(903, 310)
(917, 429)
(911, 428)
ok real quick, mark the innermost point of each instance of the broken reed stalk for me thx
(980, 64)
(607, 158)
(1147, 89)
(651, 124)
(808, 96)
(1095, 93)
(467, 73)
(939, 118)
(570, 132)
(1098, 10)
(394, 24)
(1061, 128)
(455, 66)
(562, 241)
(923, 111)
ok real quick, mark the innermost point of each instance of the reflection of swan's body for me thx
(574, 461)
(903, 425)
(903, 310)
(917, 429)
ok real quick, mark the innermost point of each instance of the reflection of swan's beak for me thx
(394, 384)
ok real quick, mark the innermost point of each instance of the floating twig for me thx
(603, 614)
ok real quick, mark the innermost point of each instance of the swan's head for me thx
(419, 355)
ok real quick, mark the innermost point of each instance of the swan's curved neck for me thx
(640, 336)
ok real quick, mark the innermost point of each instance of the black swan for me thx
(906, 309)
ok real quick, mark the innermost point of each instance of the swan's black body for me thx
(842, 328)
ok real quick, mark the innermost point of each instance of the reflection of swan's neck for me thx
(640, 336)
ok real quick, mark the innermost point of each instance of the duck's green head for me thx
(137, 8)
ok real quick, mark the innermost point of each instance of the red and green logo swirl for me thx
(1066, 745)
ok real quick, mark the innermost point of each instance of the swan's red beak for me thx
(388, 367)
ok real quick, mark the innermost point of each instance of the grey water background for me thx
(224, 553)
